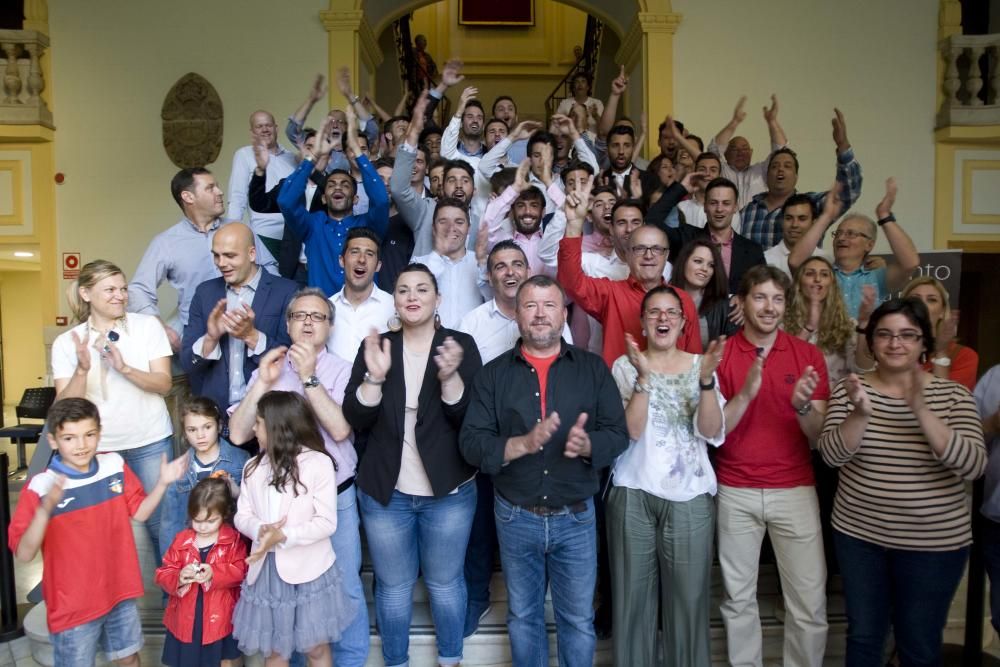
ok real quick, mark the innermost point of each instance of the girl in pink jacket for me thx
(292, 598)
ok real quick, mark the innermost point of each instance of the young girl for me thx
(292, 598)
(201, 573)
(200, 420)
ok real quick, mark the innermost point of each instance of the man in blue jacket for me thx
(233, 319)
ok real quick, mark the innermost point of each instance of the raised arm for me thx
(907, 257)
(450, 137)
(344, 84)
(618, 87)
(294, 128)
(722, 138)
(803, 250)
(774, 129)
(682, 141)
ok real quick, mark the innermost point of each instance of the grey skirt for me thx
(275, 617)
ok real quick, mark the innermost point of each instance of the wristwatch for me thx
(888, 218)
(944, 362)
(706, 386)
(370, 379)
(805, 409)
(310, 382)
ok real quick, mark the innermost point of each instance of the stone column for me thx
(647, 52)
(351, 43)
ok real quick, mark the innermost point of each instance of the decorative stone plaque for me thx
(192, 122)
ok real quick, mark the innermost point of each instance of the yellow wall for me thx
(113, 63)
(874, 60)
(23, 350)
(526, 63)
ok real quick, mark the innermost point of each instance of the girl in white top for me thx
(581, 95)
(119, 361)
(660, 509)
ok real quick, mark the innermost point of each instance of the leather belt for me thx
(345, 485)
(545, 510)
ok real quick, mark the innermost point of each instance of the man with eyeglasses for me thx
(233, 319)
(616, 303)
(308, 369)
(853, 240)
(281, 162)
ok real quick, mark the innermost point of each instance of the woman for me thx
(661, 515)
(949, 360)
(580, 86)
(417, 494)
(699, 272)
(906, 442)
(816, 314)
(119, 361)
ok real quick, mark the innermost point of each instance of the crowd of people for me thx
(501, 336)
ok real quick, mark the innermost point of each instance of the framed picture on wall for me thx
(493, 13)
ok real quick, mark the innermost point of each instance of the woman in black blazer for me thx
(409, 391)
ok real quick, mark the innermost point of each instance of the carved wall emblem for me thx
(192, 122)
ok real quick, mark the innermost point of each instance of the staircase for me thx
(586, 63)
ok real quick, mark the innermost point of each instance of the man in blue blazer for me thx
(233, 319)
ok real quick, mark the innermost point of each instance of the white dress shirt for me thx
(494, 332)
(352, 323)
(777, 256)
(459, 284)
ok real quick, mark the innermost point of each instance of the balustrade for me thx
(23, 79)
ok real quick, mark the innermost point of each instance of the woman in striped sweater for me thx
(906, 442)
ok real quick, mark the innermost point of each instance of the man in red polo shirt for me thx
(776, 390)
(616, 303)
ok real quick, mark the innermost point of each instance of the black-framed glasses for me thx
(655, 250)
(302, 316)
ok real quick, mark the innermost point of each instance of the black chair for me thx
(35, 404)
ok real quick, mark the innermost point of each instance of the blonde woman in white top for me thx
(120, 362)
(661, 516)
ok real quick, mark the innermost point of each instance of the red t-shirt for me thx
(88, 551)
(541, 366)
(767, 449)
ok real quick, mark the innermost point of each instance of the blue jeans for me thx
(145, 463)
(118, 634)
(558, 551)
(911, 590)
(419, 534)
(479, 555)
(990, 542)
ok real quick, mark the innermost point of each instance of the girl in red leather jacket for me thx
(202, 572)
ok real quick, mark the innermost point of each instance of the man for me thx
(544, 418)
(463, 137)
(494, 327)
(505, 109)
(360, 306)
(761, 217)
(798, 214)
(454, 267)
(306, 368)
(499, 156)
(776, 389)
(280, 163)
(737, 164)
(621, 143)
(617, 304)
(323, 232)
(335, 122)
(397, 244)
(234, 319)
(853, 241)
(418, 212)
(180, 254)
(739, 253)
(393, 131)
(693, 208)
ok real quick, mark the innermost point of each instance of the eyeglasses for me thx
(656, 250)
(850, 234)
(671, 313)
(906, 337)
(301, 316)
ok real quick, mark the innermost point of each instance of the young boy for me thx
(77, 511)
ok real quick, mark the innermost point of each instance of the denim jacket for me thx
(173, 515)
